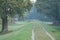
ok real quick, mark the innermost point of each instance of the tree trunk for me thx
(4, 17)
(4, 24)
(22, 18)
(55, 21)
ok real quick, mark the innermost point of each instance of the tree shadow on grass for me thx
(4, 33)
(10, 31)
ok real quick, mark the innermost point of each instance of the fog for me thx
(34, 14)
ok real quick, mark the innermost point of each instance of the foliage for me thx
(51, 8)
(15, 6)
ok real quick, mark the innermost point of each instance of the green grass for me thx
(22, 31)
(19, 32)
(54, 30)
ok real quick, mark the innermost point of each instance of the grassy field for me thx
(18, 32)
(23, 31)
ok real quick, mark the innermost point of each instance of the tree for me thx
(50, 8)
(9, 8)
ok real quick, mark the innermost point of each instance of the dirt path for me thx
(39, 33)
(52, 38)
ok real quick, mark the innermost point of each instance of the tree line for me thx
(51, 8)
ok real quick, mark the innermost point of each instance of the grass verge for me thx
(54, 30)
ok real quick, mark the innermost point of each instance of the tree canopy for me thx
(50, 8)
(15, 6)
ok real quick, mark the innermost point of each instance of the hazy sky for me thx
(33, 1)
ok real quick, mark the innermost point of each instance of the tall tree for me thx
(10, 7)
